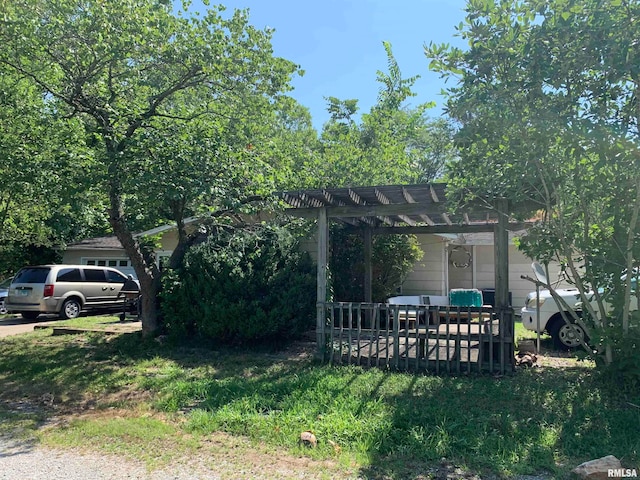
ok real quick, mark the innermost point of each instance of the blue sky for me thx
(339, 44)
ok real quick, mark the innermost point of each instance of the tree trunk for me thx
(149, 288)
(148, 274)
(626, 313)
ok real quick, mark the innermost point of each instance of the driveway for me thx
(15, 324)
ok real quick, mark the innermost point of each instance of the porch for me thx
(424, 337)
(421, 338)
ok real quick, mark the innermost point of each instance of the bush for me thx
(393, 257)
(624, 371)
(247, 287)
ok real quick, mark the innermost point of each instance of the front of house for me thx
(108, 251)
(468, 250)
(448, 262)
(468, 261)
(463, 261)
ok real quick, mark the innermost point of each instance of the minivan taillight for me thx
(48, 290)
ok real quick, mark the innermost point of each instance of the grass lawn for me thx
(121, 394)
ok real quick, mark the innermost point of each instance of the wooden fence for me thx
(418, 337)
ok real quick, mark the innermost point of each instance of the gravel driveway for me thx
(24, 461)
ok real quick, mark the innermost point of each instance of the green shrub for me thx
(624, 371)
(393, 257)
(247, 287)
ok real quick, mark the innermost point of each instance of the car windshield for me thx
(32, 275)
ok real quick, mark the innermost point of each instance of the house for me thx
(450, 260)
(108, 251)
(464, 261)
(468, 261)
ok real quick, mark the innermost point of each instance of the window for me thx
(162, 259)
(115, 277)
(96, 276)
(32, 275)
(69, 275)
(107, 262)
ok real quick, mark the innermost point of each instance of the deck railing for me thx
(417, 337)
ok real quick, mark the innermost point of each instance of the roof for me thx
(97, 243)
(112, 243)
(394, 207)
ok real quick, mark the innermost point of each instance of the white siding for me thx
(109, 258)
(428, 275)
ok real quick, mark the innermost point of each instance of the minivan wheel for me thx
(30, 315)
(3, 309)
(70, 308)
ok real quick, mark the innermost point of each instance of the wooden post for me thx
(368, 275)
(501, 250)
(503, 309)
(321, 298)
(368, 271)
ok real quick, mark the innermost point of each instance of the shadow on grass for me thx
(397, 425)
(533, 421)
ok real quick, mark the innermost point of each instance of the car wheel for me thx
(70, 308)
(30, 315)
(566, 337)
(3, 309)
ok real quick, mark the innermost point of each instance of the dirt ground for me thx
(15, 324)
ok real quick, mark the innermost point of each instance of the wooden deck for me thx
(456, 342)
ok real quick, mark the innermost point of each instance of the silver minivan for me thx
(65, 290)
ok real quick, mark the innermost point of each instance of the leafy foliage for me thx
(547, 104)
(391, 144)
(393, 257)
(246, 287)
(41, 153)
(624, 372)
(169, 102)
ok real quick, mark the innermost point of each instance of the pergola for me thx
(403, 209)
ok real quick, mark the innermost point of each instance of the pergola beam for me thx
(448, 229)
(372, 210)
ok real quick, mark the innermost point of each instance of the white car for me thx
(551, 321)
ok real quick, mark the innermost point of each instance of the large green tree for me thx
(547, 98)
(133, 71)
(40, 152)
(392, 143)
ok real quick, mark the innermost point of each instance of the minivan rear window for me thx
(32, 275)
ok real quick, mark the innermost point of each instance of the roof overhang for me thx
(390, 209)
